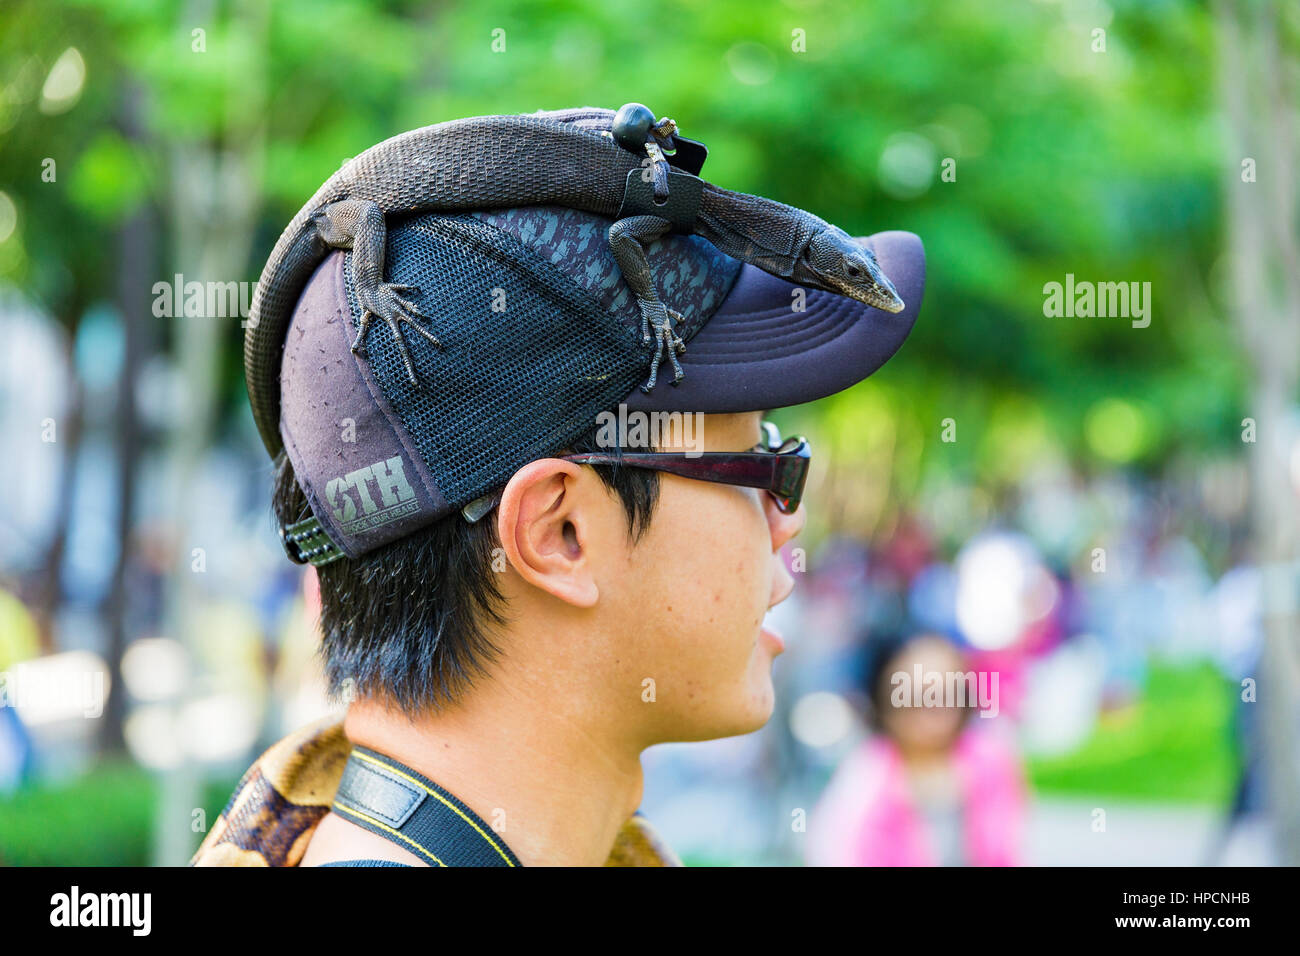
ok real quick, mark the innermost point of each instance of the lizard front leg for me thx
(627, 241)
(358, 224)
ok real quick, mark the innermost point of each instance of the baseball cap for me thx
(538, 334)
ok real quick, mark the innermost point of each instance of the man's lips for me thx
(774, 638)
(769, 632)
(785, 581)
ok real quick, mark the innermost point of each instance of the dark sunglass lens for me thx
(785, 505)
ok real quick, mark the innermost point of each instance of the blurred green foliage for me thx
(1174, 743)
(104, 818)
(1101, 164)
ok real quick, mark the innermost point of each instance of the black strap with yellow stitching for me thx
(392, 800)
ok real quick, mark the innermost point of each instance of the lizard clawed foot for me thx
(666, 339)
(655, 314)
(384, 302)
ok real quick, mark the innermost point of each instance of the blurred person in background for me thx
(932, 785)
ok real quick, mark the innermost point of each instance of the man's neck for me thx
(553, 791)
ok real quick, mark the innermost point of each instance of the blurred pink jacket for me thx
(866, 817)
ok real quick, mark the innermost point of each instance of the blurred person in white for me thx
(933, 784)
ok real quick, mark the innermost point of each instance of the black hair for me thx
(406, 623)
(880, 650)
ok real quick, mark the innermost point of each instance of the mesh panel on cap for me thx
(507, 386)
(690, 274)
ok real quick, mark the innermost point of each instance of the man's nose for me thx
(784, 526)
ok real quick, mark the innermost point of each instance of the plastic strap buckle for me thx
(307, 543)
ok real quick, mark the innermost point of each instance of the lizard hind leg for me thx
(358, 224)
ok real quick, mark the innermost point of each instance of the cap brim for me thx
(758, 351)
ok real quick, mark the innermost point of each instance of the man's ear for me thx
(545, 531)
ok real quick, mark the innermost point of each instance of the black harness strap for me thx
(681, 207)
(392, 800)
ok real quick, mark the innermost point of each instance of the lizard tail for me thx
(268, 322)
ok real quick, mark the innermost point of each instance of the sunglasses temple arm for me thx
(756, 471)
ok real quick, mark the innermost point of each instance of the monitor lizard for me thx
(579, 158)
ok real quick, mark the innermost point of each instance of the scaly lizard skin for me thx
(564, 158)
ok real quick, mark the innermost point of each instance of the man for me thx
(513, 617)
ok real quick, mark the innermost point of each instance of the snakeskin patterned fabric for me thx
(270, 818)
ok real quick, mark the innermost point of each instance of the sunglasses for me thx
(778, 467)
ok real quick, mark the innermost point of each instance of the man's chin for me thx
(718, 730)
(744, 716)
(754, 718)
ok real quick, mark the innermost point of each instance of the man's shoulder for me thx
(270, 816)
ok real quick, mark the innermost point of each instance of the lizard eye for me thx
(853, 272)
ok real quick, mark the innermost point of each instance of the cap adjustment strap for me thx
(307, 543)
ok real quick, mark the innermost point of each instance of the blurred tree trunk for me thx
(212, 208)
(1257, 63)
(138, 266)
(49, 593)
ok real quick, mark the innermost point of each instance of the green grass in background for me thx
(1174, 744)
(102, 819)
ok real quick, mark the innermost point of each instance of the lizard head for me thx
(835, 262)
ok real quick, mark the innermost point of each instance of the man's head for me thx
(620, 593)
(612, 597)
